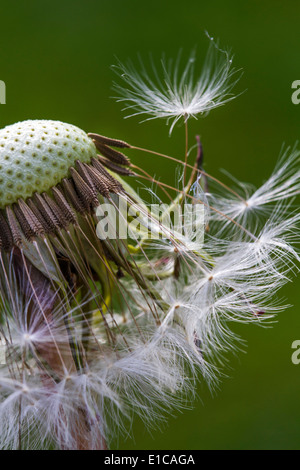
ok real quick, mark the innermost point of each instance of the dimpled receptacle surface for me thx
(37, 154)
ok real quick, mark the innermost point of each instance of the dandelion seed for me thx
(283, 185)
(172, 96)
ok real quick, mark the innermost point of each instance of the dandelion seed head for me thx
(37, 154)
(95, 330)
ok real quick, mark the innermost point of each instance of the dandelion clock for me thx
(111, 306)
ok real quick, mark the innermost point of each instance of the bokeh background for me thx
(55, 61)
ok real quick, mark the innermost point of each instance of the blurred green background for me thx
(55, 61)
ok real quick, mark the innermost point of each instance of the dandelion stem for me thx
(186, 153)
